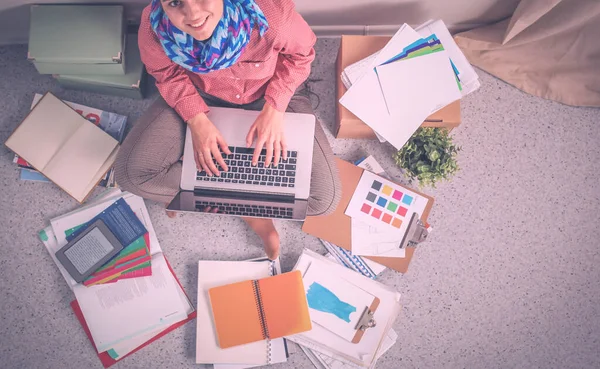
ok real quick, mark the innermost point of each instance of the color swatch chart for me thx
(383, 203)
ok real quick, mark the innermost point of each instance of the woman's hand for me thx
(268, 132)
(207, 139)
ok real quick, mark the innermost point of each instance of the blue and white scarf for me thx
(222, 49)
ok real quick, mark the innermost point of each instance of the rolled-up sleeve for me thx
(172, 80)
(295, 41)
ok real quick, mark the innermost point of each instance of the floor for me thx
(509, 277)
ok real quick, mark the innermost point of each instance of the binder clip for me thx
(415, 233)
(366, 320)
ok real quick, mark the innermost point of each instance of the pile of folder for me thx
(120, 318)
(417, 73)
(87, 47)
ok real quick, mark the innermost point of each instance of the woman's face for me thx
(197, 18)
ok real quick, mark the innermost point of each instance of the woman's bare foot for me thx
(265, 229)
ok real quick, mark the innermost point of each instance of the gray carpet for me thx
(509, 277)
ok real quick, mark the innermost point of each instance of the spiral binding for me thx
(259, 307)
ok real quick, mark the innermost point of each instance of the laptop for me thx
(275, 192)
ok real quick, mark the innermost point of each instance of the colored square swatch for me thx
(381, 201)
(407, 199)
(387, 218)
(392, 206)
(387, 190)
(376, 213)
(376, 185)
(365, 208)
(371, 197)
(401, 211)
(397, 223)
(397, 195)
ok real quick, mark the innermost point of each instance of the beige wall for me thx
(327, 17)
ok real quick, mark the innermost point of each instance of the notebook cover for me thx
(235, 314)
(336, 227)
(104, 357)
(284, 304)
(236, 310)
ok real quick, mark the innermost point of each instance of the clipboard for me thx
(336, 227)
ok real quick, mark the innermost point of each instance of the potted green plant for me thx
(429, 156)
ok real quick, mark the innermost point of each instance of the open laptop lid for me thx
(234, 125)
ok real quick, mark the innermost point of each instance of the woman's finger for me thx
(208, 160)
(276, 152)
(269, 155)
(214, 150)
(223, 144)
(202, 165)
(250, 136)
(283, 147)
(259, 145)
(219, 157)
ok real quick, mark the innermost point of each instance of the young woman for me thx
(231, 53)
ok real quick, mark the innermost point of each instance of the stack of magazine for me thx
(121, 317)
(111, 123)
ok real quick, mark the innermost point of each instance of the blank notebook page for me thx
(77, 162)
(44, 131)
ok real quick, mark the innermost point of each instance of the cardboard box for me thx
(347, 125)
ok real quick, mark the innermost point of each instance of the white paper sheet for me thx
(416, 87)
(400, 196)
(323, 361)
(365, 98)
(466, 73)
(218, 273)
(372, 241)
(320, 339)
(117, 312)
(349, 295)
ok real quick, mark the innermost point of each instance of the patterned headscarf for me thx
(222, 49)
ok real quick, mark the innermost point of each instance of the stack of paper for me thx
(416, 74)
(216, 273)
(328, 344)
(121, 317)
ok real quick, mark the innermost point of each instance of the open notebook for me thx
(255, 310)
(217, 273)
(70, 152)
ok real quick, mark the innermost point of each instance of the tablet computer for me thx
(87, 252)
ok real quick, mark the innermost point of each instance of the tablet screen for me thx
(89, 250)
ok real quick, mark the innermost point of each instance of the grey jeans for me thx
(148, 163)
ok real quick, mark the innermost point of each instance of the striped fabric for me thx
(223, 49)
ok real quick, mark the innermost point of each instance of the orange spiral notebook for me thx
(261, 309)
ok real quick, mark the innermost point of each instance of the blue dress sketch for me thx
(322, 299)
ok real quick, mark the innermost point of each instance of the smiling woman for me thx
(196, 18)
(230, 53)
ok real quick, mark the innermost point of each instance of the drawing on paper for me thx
(322, 299)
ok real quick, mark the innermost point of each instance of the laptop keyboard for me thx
(246, 210)
(241, 170)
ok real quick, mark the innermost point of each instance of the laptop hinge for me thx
(245, 195)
